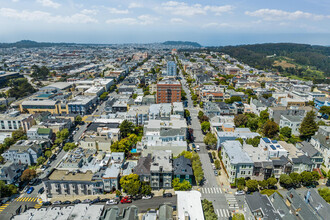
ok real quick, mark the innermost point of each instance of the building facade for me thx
(168, 91)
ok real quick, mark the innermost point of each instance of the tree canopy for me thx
(308, 126)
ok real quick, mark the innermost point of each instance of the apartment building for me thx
(14, 120)
(168, 91)
(161, 170)
(236, 161)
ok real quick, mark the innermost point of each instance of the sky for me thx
(208, 22)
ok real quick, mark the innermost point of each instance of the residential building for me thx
(321, 142)
(243, 133)
(191, 208)
(111, 177)
(168, 91)
(292, 122)
(182, 169)
(161, 170)
(274, 149)
(10, 172)
(236, 161)
(282, 165)
(39, 133)
(171, 68)
(281, 207)
(309, 150)
(143, 168)
(277, 112)
(82, 105)
(23, 152)
(14, 120)
(35, 106)
(259, 206)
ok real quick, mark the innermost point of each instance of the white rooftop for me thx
(189, 204)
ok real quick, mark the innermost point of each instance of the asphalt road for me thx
(223, 203)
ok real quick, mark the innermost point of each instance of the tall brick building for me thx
(168, 91)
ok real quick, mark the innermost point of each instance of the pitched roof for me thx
(257, 201)
(182, 166)
(143, 166)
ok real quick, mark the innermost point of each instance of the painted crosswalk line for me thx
(27, 199)
(223, 213)
(211, 190)
(3, 207)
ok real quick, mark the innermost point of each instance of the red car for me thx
(126, 199)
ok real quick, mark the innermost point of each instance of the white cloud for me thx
(276, 15)
(215, 25)
(184, 9)
(135, 5)
(177, 20)
(218, 10)
(89, 11)
(49, 3)
(118, 11)
(15, 0)
(26, 15)
(140, 20)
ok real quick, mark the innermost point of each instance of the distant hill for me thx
(301, 60)
(30, 44)
(182, 43)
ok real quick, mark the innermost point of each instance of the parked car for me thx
(30, 190)
(57, 203)
(137, 197)
(213, 166)
(104, 200)
(126, 199)
(197, 148)
(41, 190)
(33, 181)
(112, 202)
(239, 193)
(86, 201)
(46, 203)
(146, 197)
(215, 172)
(66, 202)
(77, 201)
(95, 201)
(167, 195)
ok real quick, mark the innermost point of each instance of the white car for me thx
(197, 148)
(239, 193)
(112, 202)
(146, 197)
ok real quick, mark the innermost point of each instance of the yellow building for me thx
(33, 106)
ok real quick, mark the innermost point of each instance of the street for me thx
(223, 203)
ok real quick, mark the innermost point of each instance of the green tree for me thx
(28, 175)
(295, 178)
(286, 132)
(205, 126)
(210, 139)
(253, 141)
(238, 216)
(201, 104)
(240, 120)
(263, 184)
(271, 182)
(270, 129)
(126, 128)
(40, 160)
(19, 135)
(200, 114)
(63, 134)
(325, 193)
(325, 110)
(131, 184)
(285, 180)
(208, 210)
(252, 185)
(145, 189)
(306, 178)
(180, 186)
(217, 164)
(48, 154)
(69, 146)
(78, 118)
(308, 126)
(186, 113)
(252, 123)
(134, 96)
(264, 116)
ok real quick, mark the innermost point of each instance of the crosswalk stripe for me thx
(217, 211)
(221, 212)
(228, 213)
(211, 190)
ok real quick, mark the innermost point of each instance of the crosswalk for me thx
(224, 213)
(211, 190)
(27, 199)
(231, 200)
(3, 207)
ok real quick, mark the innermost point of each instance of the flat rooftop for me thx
(69, 176)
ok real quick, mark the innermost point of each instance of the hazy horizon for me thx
(209, 22)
